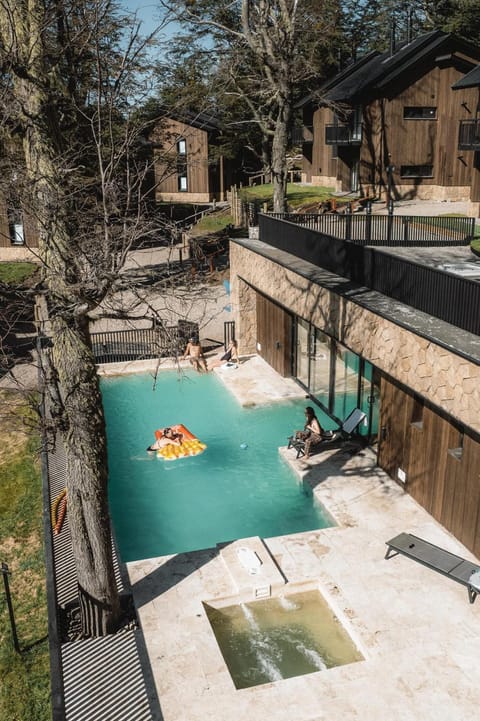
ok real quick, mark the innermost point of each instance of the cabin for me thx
(387, 125)
(189, 166)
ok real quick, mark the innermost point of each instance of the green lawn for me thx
(212, 223)
(297, 195)
(16, 272)
(25, 677)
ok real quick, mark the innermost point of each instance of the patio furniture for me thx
(437, 559)
(330, 438)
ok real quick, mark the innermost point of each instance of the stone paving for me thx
(415, 628)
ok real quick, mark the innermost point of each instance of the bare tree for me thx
(71, 75)
(269, 48)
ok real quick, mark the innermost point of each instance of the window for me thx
(15, 226)
(417, 412)
(416, 171)
(346, 367)
(457, 450)
(182, 165)
(320, 364)
(419, 113)
(356, 123)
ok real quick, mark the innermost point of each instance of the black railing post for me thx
(390, 221)
(368, 223)
(472, 229)
(348, 223)
(5, 573)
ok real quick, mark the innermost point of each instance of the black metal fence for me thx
(451, 298)
(228, 332)
(117, 346)
(138, 344)
(387, 230)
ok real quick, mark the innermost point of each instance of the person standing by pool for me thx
(194, 353)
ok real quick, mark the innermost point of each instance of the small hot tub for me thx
(280, 637)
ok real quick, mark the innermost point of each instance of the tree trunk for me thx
(82, 421)
(86, 476)
(279, 156)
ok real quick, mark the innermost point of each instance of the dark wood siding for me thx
(274, 334)
(429, 142)
(5, 241)
(166, 136)
(318, 157)
(442, 478)
(29, 228)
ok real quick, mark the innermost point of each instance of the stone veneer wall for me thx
(454, 193)
(17, 254)
(440, 376)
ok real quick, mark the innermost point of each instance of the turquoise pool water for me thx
(228, 492)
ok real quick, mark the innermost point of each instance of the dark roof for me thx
(203, 121)
(470, 80)
(343, 74)
(373, 73)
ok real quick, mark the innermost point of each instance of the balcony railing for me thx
(469, 135)
(302, 134)
(342, 135)
(435, 291)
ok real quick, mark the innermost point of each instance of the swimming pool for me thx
(238, 487)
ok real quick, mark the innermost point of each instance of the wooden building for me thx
(388, 124)
(415, 374)
(17, 231)
(188, 166)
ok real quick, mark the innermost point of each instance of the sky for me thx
(148, 12)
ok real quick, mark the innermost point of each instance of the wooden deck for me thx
(101, 679)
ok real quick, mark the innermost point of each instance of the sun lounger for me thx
(331, 438)
(436, 558)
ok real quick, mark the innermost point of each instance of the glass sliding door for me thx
(370, 399)
(320, 366)
(345, 387)
(303, 352)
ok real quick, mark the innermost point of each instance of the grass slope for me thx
(25, 677)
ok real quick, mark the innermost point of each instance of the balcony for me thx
(469, 135)
(302, 134)
(343, 135)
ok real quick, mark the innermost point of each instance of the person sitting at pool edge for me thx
(312, 431)
(230, 356)
(168, 437)
(194, 353)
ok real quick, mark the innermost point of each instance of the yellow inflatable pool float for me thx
(190, 445)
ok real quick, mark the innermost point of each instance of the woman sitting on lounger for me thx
(312, 431)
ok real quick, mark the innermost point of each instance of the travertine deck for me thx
(415, 628)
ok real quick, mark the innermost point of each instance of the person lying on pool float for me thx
(168, 437)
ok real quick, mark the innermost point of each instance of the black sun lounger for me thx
(331, 438)
(450, 565)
